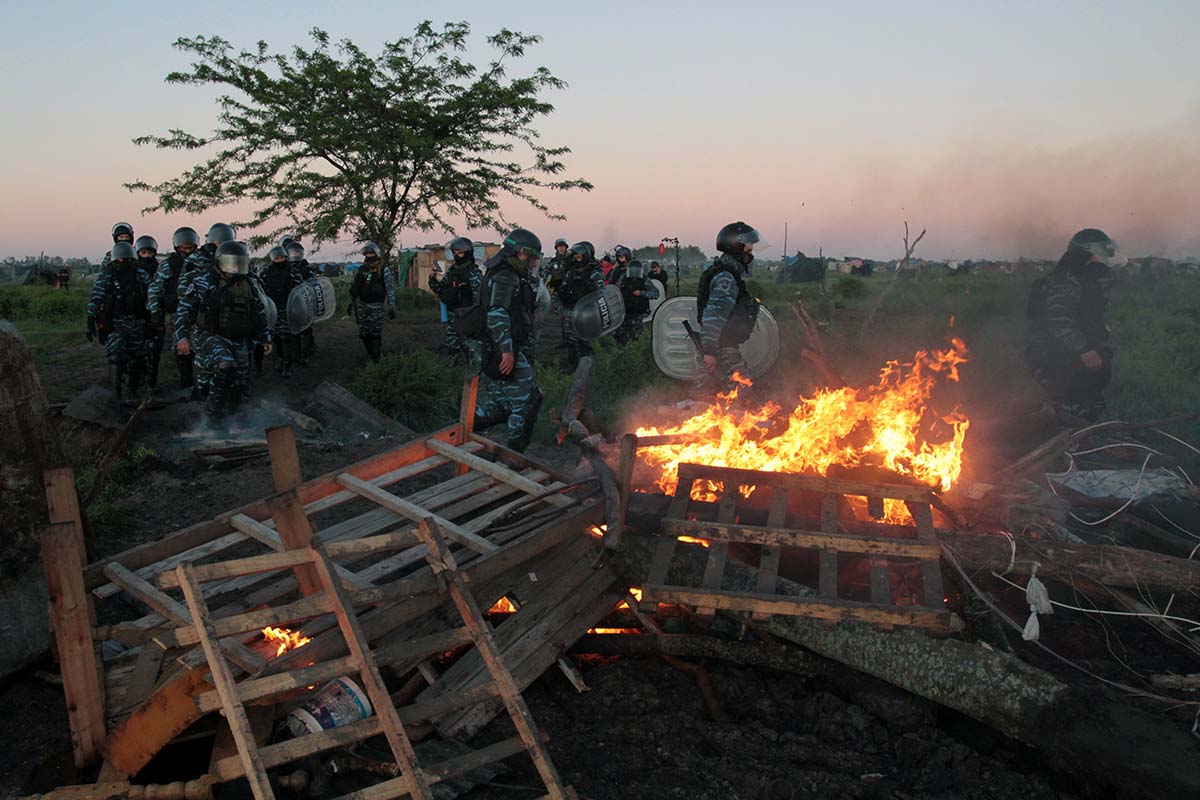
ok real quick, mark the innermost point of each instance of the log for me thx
(1110, 565)
(1100, 741)
(570, 423)
(612, 497)
(340, 404)
(783, 658)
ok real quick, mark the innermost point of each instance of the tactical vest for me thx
(635, 304)
(520, 310)
(277, 282)
(170, 289)
(456, 288)
(368, 285)
(229, 310)
(741, 320)
(126, 296)
(577, 283)
(558, 271)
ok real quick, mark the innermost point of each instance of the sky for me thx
(1001, 128)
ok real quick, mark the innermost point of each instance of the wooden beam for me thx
(62, 504)
(304, 608)
(908, 548)
(258, 688)
(837, 611)
(415, 513)
(625, 464)
(497, 471)
(297, 534)
(71, 620)
(285, 458)
(812, 483)
(235, 712)
(267, 535)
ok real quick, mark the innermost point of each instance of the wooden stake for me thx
(69, 614)
(296, 532)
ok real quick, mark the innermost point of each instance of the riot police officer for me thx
(147, 253)
(506, 305)
(163, 297)
(117, 314)
(584, 277)
(637, 291)
(726, 308)
(371, 290)
(225, 305)
(622, 254)
(278, 279)
(457, 289)
(121, 232)
(295, 257)
(551, 274)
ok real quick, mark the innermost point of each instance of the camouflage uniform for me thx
(308, 342)
(278, 280)
(507, 294)
(637, 307)
(579, 281)
(457, 291)
(551, 274)
(118, 302)
(162, 300)
(1066, 311)
(223, 360)
(373, 294)
(154, 333)
(727, 312)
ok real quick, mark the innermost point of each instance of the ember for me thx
(888, 425)
(285, 639)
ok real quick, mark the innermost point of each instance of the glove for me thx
(391, 313)
(91, 328)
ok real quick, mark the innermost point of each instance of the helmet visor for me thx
(635, 270)
(1107, 253)
(233, 263)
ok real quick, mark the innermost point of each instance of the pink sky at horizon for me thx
(969, 141)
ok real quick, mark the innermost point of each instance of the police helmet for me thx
(145, 243)
(370, 249)
(581, 249)
(524, 241)
(295, 251)
(622, 250)
(560, 242)
(276, 253)
(183, 236)
(123, 251)
(122, 229)
(284, 241)
(220, 233)
(461, 244)
(233, 258)
(635, 269)
(1096, 242)
(736, 236)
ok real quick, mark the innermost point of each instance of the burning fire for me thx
(502, 606)
(889, 425)
(286, 639)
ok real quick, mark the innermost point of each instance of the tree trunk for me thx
(28, 446)
(1110, 743)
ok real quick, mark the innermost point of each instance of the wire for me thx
(1173, 523)
(1177, 439)
(1132, 497)
(1185, 620)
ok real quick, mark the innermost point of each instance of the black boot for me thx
(532, 407)
(375, 348)
(216, 406)
(483, 421)
(116, 376)
(183, 365)
(260, 352)
(135, 378)
(152, 368)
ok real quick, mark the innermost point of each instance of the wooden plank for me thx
(251, 565)
(177, 613)
(624, 477)
(827, 574)
(305, 608)
(829, 513)
(144, 676)
(271, 685)
(875, 506)
(879, 577)
(485, 645)
(753, 534)
(714, 568)
(317, 494)
(71, 620)
(267, 535)
(466, 408)
(512, 458)
(768, 561)
(356, 642)
(62, 505)
(296, 532)
(683, 491)
(424, 646)
(812, 483)
(417, 514)
(497, 471)
(235, 712)
(834, 610)
(285, 458)
(339, 400)
(664, 551)
(931, 570)
(228, 769)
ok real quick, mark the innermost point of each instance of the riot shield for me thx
(662, 295)
(598, 313)
(311, 301)
(678, 356)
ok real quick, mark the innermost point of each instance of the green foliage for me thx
(410, 298)
(44, 303)
(419, 388)
(847, 287)
(330, 141)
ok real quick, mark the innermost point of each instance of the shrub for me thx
(847, 287)
(42, 303)
(419, 389)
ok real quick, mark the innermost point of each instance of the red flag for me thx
(662, 248)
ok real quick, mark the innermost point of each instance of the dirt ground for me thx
(643, 731)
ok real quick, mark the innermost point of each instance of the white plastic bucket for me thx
(339, 702)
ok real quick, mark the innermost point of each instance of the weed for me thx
(417, 388)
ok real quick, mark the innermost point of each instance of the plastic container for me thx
(339, 702)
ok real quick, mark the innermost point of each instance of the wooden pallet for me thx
(332, 597)
(887, 547)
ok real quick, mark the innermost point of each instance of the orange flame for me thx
(692, 540)
(285, 639)
(889, 425)
(502, 606)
